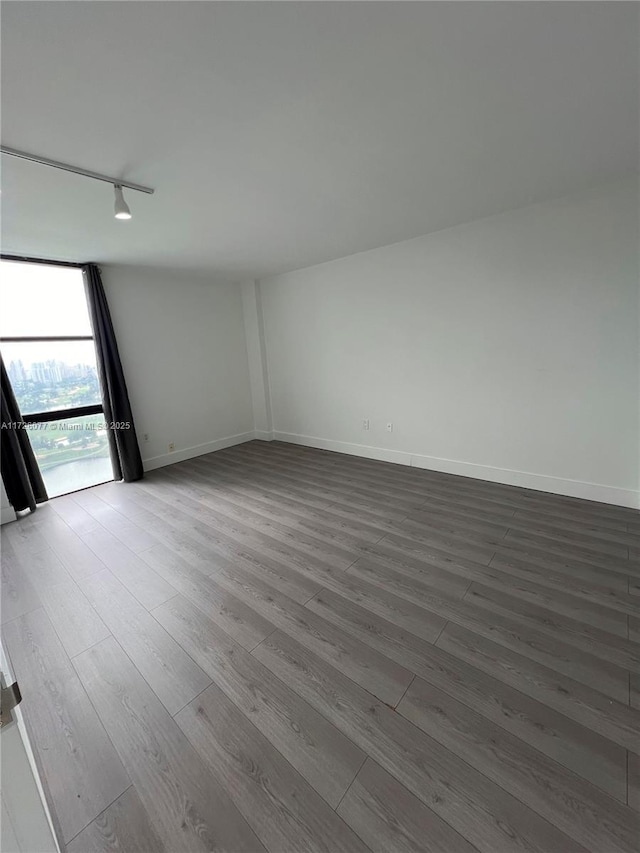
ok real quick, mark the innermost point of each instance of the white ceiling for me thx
(280, 135)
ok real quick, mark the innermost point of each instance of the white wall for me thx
(182, 344)
(256, 351)
(505, 349)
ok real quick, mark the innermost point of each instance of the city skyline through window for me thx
(49, 353)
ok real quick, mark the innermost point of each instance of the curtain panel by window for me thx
(123, 443)
(22, 479)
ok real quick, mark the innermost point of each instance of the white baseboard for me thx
(198, 450)
(506, 476)
(263, 435)
(8, 514)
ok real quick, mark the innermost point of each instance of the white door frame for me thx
(26, 821)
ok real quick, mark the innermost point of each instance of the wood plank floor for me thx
(284, 649)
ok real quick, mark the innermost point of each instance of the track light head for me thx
(121, 207)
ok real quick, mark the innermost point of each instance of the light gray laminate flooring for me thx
(276, 648)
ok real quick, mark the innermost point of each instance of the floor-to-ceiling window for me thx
(48, 350)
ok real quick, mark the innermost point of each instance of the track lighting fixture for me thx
(121, 207)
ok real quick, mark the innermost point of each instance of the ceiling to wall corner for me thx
(281, 135)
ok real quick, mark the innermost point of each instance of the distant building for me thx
(17, 372)
(49, 372)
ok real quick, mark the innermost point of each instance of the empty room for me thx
(320, 362)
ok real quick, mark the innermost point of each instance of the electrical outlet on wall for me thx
(172, 446)
(145, 437)
(389, 427)
(365, 423)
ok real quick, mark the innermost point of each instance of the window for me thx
(48, 350)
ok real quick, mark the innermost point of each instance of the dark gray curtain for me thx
(20, 473)
(123, 443)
